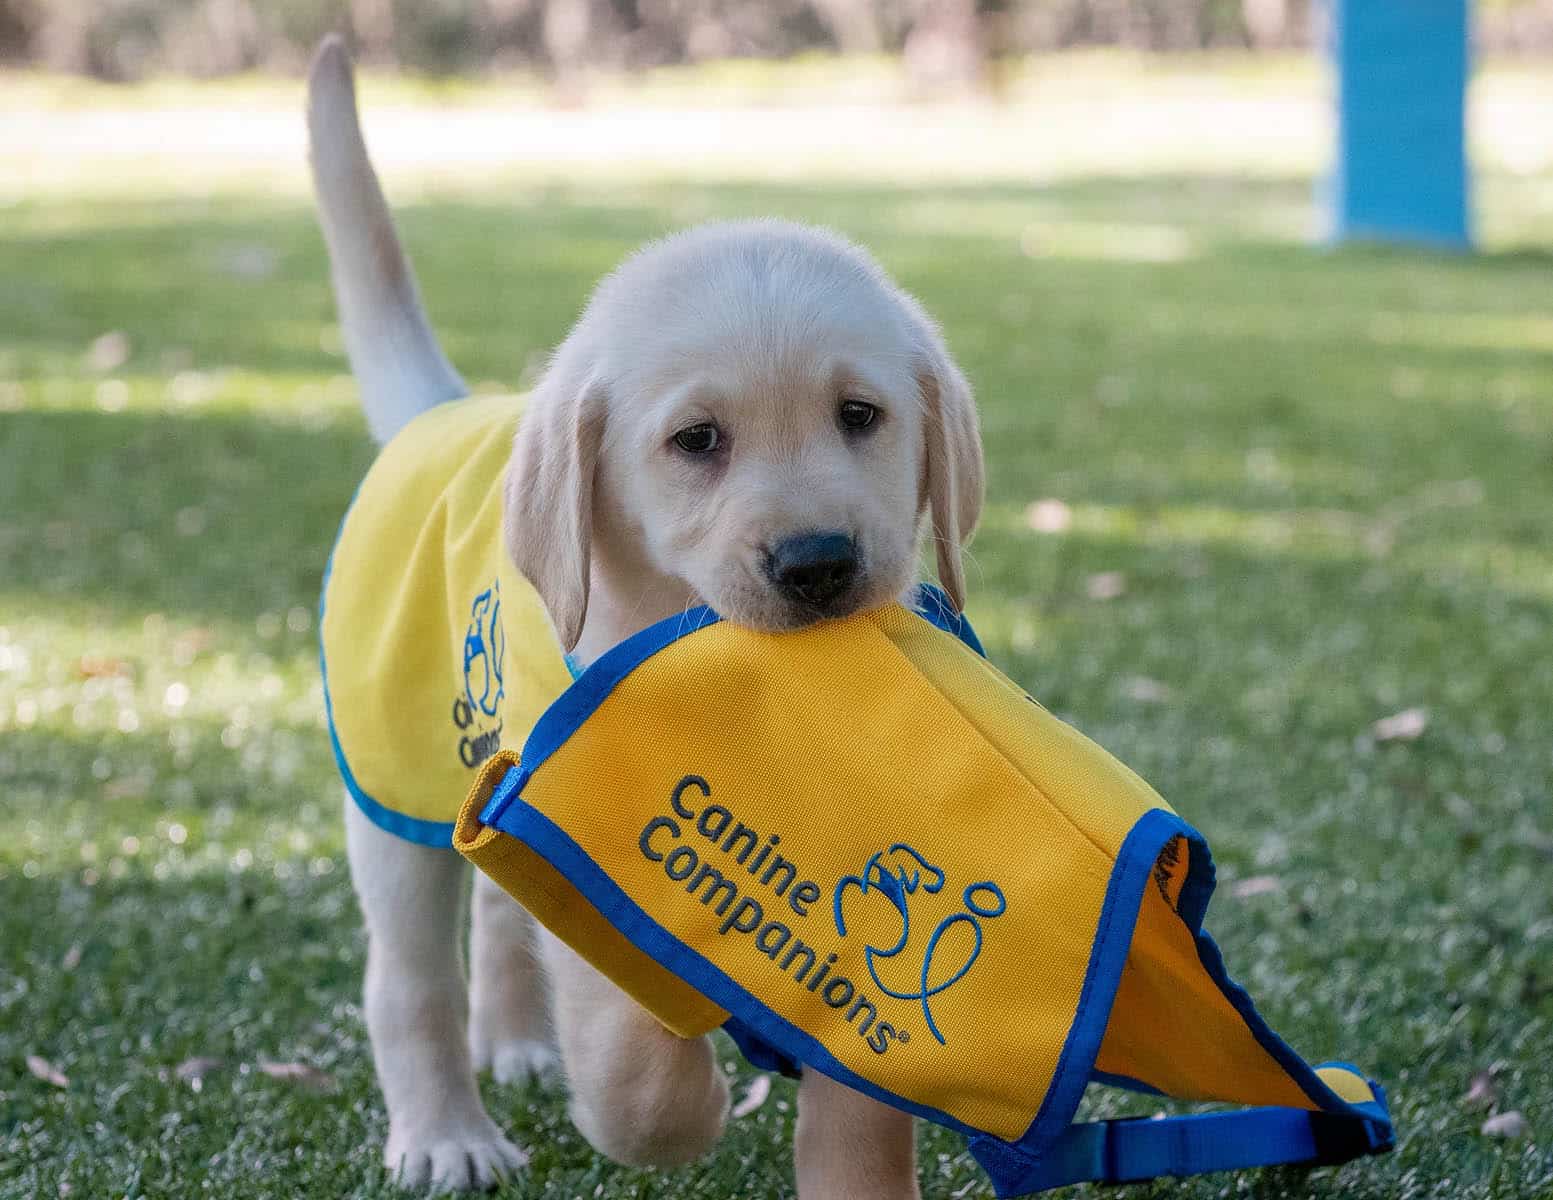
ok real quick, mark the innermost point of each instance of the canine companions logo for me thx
(739, 874)
(895, 875)
(485, 645)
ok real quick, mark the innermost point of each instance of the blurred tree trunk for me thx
(215, 37)
(579, 34)
(853, 24)
(15, 32)
(373, 23)
(998, 39)
(63, 38)
(944, 50)
(1266, 21)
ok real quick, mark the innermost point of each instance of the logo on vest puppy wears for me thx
(877, 901)
(895, 875)
(485, 645)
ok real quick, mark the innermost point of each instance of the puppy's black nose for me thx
(813, 568)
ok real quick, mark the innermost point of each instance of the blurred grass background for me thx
(1246, 499)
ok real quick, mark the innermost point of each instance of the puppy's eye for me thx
(856, 414)
(699, 439)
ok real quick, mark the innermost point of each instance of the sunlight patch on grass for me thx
(1466, 330)
(1106, 242)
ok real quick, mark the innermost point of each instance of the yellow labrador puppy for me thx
(748, 415)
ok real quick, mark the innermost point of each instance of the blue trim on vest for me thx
(759, 1053)
(436, 834)
(1126, 1151)
(1134, 871)
(933, 603)
(1193, 907)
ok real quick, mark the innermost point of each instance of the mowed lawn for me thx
(1279, 495)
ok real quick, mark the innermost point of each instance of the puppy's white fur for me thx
(762, 329)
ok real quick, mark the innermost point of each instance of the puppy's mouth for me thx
(769, 613)
(800, 614)
(760, 600)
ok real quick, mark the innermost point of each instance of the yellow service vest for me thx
(435, 650)
(860, 848)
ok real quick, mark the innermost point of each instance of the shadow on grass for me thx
(220, 517)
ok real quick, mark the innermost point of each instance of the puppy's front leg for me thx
(509, 1017)
(412, 899)
(640, 1094)
(848, 1147)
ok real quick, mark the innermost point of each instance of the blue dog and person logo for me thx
(918, 968)
(485, 646)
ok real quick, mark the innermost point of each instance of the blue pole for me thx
(1401, 173)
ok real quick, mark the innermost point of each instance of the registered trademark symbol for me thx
(903, 1036)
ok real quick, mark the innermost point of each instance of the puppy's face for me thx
(768, 418)
(777, 476)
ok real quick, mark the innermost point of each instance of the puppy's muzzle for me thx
(816, 570)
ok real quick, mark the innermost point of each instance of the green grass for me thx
(1325, 480)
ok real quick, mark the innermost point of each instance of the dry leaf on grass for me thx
(1405, 726)
(1146, 691)
(1049, 516)
(42, 1069)
(1506, 1125)
(250, 261)
(193, 1070)
(759, 1089)
(108, 352)
(1255, 885)
(72, 958)
(131, 787)
(1482, 1091)
(1107, 585)
(300, 1074)
(102, 666)
(1536, 841)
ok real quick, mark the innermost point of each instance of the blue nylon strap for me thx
(1130, 1150)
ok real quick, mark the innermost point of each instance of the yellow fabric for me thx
(886, 771)
(1350, 1085)
(435, 649)
(549, 897)
(1172, 1028)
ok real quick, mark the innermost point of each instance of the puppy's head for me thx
(754, 410)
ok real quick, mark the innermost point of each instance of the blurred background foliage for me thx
(944, 41)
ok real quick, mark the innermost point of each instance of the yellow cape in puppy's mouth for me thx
(434, 648)
(863, 850)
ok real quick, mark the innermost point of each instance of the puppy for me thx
(751, 416)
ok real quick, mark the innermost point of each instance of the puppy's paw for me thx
(513, 1060)
(452, 1159)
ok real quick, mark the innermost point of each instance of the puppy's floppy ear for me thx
(549, 496)
(952, 474)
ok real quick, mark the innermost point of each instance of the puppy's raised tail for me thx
(393, 353)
